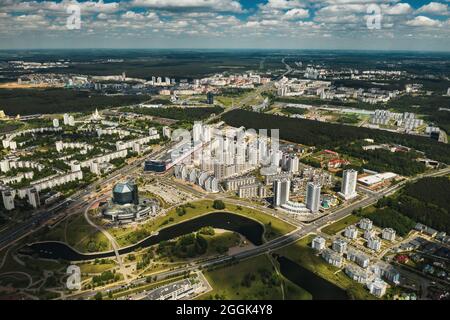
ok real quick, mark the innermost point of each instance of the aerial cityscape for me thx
(245, 169)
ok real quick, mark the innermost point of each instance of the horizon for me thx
(382, 25)
(230, 49)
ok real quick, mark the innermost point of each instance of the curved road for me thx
(111, 239)
(281, 242)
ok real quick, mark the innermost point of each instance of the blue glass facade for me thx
(155, 166)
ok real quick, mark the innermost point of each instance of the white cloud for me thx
(334, 10)
(422, 21)
(339, 19)
(215, 5)
(284, 4)
(271, 20)
(61, 7)
(102, 16)
(131, 15)
(295, 14)
(436, 8)
(398, 9)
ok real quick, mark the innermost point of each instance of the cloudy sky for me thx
(312, 24)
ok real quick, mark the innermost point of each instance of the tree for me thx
(98, 296)
(219, 205)
(181, 211)
(247, 280)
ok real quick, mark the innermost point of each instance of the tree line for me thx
(330, 135)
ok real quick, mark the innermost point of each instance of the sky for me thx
(230, 24)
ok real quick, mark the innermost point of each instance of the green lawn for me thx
(49, 265)
(55, 234)
(33, 267)
(302, 253)
(93, 242)
(226, 101)
(221, 240)
(227, 282)
(78, 234)
(17, 281)
(294, 292)
(341, 224)
(127, 236)
(95, 268)
(274, 227)
(11, 265)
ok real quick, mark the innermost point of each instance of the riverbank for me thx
(302, 254)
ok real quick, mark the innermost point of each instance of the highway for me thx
(81, 199)
(254, 94)
(67, 206)
(278, 243)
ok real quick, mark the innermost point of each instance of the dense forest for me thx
(293, 110)
(431, 190)
(329, 135)
(33, 101)
(188, 114)
(424, 201)
(389, 218)
(380, 160)
(187, 246)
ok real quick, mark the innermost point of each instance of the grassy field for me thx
(225, 100)
(304, 255)
(233, 288)
(294, 292)
(274, 227)
(341, 224)
(222, 240)
(14, 274)
(218, 244)
(14, 280)
(76, 232)
(38, 264)
(57, 233)
(96, 268)
(11, 265)
(8, 126)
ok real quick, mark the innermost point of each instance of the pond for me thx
(318, 287)
(249, 228)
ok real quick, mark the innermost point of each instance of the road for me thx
(62, 209)
(110, 238)
(79, 200)
(66, 207)
(253, 95)
(281, 242)
(288, 68)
